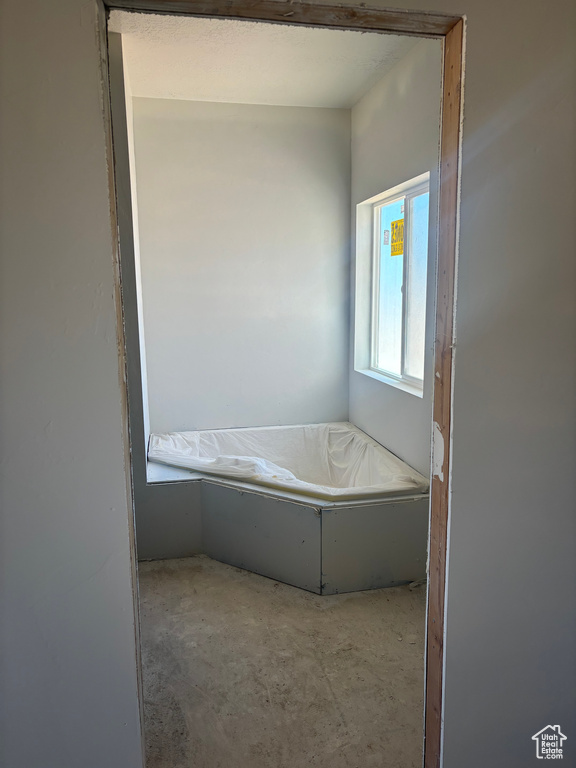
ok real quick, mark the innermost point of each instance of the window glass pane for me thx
(416, 286)
(388, 347)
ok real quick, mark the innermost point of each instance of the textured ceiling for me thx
(199, 59)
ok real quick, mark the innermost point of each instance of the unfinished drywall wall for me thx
(69, 677)
(395, 136)
(244, 240)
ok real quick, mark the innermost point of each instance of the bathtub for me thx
(328, 461)
(323, 507)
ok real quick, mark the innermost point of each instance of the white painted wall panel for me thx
(244, 236)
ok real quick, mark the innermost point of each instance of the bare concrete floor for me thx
(243, 672)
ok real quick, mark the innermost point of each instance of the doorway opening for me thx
(254, 287)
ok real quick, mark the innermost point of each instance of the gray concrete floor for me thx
(243, 672)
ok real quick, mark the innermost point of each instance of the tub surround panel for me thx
(382, 545)
(263, 534)
(169, 520)
(320, 549)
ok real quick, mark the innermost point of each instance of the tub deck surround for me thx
(321, 546)
(322, 507)
(326, 461)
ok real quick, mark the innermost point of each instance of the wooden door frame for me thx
(450, 29)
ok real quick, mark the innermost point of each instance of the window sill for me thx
(406, 386)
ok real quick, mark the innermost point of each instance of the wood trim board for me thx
(421, 24)
(442, 404)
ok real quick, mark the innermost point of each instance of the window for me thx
(391, 280)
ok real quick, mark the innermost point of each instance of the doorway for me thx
(447, 204)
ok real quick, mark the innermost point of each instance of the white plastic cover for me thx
(331, 461)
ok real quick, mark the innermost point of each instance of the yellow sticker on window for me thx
(397, 245)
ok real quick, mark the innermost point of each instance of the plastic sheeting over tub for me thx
(335, 461)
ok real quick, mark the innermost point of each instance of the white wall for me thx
(510, 651)
(244, 239)
(69, 690)
(395, 135)
(168, 517)
(68, 652)
(128, 104)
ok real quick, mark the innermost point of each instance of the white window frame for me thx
(367, 283)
